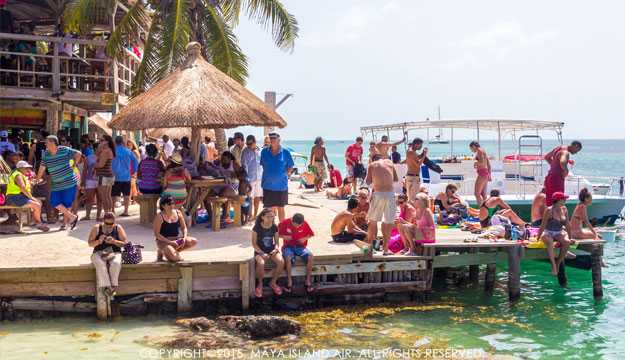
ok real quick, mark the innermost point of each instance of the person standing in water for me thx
(482, 165)
(558, 159)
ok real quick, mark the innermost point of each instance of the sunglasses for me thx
(249, 143)
(109, 223)
(166, 204)
(400, 202)
(362, 196)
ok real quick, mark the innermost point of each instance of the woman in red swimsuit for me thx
(482, 165)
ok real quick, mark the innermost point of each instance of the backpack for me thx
(360, 171)
(460, 210)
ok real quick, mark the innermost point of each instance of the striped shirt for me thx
(176, 186)
(63, 177)
(149, 173)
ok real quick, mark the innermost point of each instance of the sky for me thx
(359, 63)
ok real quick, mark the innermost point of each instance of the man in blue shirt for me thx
(250, 160)
(277, 165)
(124, 166)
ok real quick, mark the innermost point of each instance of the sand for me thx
(34, 248)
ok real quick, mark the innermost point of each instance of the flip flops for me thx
(258, 292)
(309, 288)
(276, 289)
(63, 227)
(73, 225)
(124, 215)
(287, 289)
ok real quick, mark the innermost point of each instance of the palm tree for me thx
(165, 27)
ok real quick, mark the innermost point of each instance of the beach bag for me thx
(2, 199)
(131, 254)
(360, 171)
(460, 210)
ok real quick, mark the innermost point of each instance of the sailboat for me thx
(439, 139)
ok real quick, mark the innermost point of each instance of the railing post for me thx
(56, 70)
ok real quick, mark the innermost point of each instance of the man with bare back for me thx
(317, 156)
(343, 228)
(558, 159)
(414, 161)
(383, 145)
(382, 175)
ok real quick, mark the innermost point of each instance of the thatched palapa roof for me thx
(178, 133)
(98, 126)
(196, 95)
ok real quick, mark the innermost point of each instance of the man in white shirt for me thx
(5, 144)
(166, 145)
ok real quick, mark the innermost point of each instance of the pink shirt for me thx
(354, 153)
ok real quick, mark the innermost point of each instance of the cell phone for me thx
(180, 241)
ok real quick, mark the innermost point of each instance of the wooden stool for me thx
(237, 201)
(216, 204)
(147, 208)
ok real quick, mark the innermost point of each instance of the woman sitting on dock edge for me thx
(265, 241)
(166, 229)
(555, 217)
(107, 239)
(580, 215)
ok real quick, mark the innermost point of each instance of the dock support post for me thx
(595, 260)
(514, 272)
(244, 276)
(185, 289)
(562, 274)
(474, 270)
(101, 303)
(489, 278)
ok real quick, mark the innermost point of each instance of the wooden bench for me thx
(20, 213)
(216, 204)
(147, 208)
(237, 201)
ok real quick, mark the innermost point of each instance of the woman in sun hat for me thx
(174, 180)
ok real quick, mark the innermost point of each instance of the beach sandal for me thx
(74, 223)
(404, 252)
(41, 226)
(51, 221)
(287, 289)
(411, 253)
(258, 292)
(276, 290)
(474, 240)
(109, 294)
(124, 215)
(309, 288)
(63, 227)
(387, 254)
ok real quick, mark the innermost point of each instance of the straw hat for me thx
(176, 158)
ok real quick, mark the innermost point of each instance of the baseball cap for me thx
(559, 195)
(23, 164)
(4, 133)
(274, 135)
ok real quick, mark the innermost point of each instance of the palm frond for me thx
(128, 30)
(80, 15)
(272, 13)
(231, 11)
(175, 34)
(221, 46)
(149, 63)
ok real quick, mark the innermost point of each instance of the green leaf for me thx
(144, 78)
(128, 31)
(221, 46)
(175, 35)
(284, 29)
(80, 15)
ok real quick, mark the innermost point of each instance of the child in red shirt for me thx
(335, 177)
(296, 232)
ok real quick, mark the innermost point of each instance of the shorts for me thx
(345, 237)
(275, 198)
(413, 186)
(552, 233)
(553, 183)
(383, 205)
(537, 223)
(151, 191)
(257, 190)
(350, 170)
(106, 180)
(91, 184)
(18, 200)
(320, 170)
(293, 251)
(121, 187)
(63, 197)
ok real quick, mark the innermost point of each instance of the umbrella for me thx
(195, 95)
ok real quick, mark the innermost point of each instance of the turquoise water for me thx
(549, 322)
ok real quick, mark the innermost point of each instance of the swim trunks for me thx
(383, 205)
(320, 170)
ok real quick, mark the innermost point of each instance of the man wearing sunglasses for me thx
(277, 166)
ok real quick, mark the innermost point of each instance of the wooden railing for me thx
(60, 72)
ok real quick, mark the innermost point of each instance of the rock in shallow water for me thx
(262, 326)
(198, 323)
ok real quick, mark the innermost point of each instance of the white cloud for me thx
(498, 43)
(351, 26)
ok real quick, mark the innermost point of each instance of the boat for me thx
(438, 139)
(519, 176)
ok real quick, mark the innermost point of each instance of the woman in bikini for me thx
(489, 208)
(423, 229)
(343, 192)
(580, 216)
(167, 228)
(555, 217)
(482, 165)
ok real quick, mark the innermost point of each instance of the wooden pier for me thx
(73, 288)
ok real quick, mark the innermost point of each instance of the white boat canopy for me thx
(502, 126)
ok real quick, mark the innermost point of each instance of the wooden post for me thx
(245, 285)
(196, 141)
(56, 70)
(185, 289)
(474, 270)
(595, 260)
(514, 272)
(562, 274)
(489, 278)
(101, 303)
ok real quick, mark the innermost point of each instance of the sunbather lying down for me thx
(342, 193)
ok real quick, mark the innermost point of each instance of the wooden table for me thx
(199, 183)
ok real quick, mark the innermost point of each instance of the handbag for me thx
(131, 254)
(107, 253)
